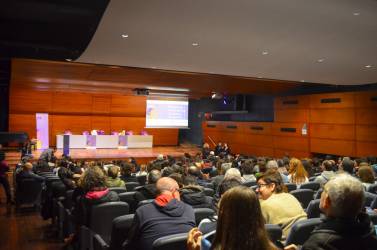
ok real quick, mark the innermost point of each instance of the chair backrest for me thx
(313, 210)
(130, 186)
(318, 194)
(369, 198)
(291, 186)
(99, 243)
(312, 178)
(132, 199)
(209, 192)
(249, 183)
(102, 217)
(304, 196)
(301, 231)
(274, 232)
(118, 190)
(201, 213)
(171, 242)
(28, 192)
(373, 217)
(68, 202)
(372, 189)
(142, 179)
(144, 202)
(120, 230)
(311, 185)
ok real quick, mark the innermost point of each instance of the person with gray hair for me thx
(272, 164)
(235, 174)
(345, 226)
(218, 179)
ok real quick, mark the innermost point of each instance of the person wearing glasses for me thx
(278, 206)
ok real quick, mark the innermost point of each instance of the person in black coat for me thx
(193, 194)
(345, 226)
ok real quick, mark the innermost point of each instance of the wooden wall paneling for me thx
(101, 123)
(330, 146)
(231, 127)
(118, 123)
(291, 115)
(256, 128)
(366, 116)
(279, 153)
(75, 123)
(292, 102)
(23, 123)
(25, 100)
(101, 104)
(366, 149)
(366, 99)
(332, 116)
(366, 133)
(257, 151)
(72, 103)
(289, 129)
(291, 143)
(164, 137)
(128, 105)
(333, 100)
(259, 140)
(333, 131)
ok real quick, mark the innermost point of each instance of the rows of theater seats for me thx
(110, 222)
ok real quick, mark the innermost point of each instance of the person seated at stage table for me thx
(27, 173)
(225, 149)
(127, 170)
(218, 148)
(113, 179)
(149, 191)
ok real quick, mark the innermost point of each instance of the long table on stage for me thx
(106, 141)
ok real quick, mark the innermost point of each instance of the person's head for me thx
(178, 178)
(297, 171)
(366, 174)
(247, 167)
(327, 165)
(232, 173)
(269, 183)
(160, 157)
(348, 165)
(28, 166)
(92, 179)
(227, 184)
(272, 164)
(189, 181)
(153, 176)
(127, 169)
(194, 171)
(167, 171)
(240, 221)
(113, 171)
(225, 167)
(342, 197)
(168, 186)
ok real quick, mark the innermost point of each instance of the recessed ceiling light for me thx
(265, 53)
(356, 13)
(368, 66)
(320, 60)
(195, 44)
(260, 76)
(124, 35)
(302, 81)
(68, 60)
(153, 67)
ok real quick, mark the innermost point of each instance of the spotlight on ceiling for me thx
(216, 95)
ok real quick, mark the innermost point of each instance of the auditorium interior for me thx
(271, 79)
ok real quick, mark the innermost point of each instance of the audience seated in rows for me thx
(113, 179)
(193, 195)
(297, 172)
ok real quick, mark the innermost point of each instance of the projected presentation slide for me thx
(167, 114)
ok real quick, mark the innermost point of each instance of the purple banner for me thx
(42, 129)
(122, 140)
(91, 140)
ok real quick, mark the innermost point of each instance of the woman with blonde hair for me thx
(297, 172)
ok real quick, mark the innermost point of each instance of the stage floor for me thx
(115, 154)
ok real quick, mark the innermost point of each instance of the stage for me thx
(141, 155)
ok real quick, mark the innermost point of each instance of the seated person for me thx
(327, 173)
(247, 171)
(66, 176)
(193, 195)
(27, 173)
(149, 191)
(278, 207)
(113, 179)
(127, 170)
(48, 155)
(197, 174)
(166, 215)
(297, 172)
(345, 227)
(240, 224)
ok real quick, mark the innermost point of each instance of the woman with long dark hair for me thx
(240, 223)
